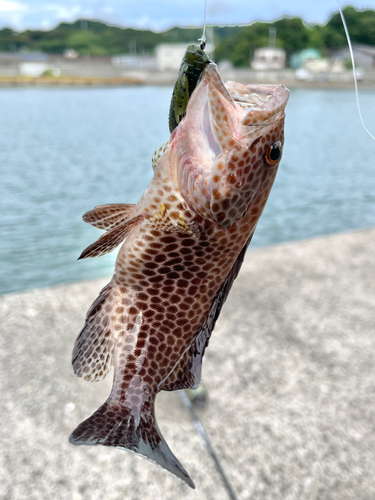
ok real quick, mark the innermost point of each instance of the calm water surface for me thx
(63, 151)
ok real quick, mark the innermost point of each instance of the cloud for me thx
(62, 11)
(161, 15)
(11, 6)
(108, 10)
(218, 8)
(143, 21)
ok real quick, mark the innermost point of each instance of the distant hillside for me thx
(234, 43)
(94, 38)
(294, 35)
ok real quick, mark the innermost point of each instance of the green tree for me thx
(361, 26)
(236, 43)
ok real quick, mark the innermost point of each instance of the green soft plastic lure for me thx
(193, 63)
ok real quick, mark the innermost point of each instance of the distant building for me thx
(31, 64)
(33, 69)
(321, 65)
(298, 59)
(71, 54)
(169, 55)
(364, 56)
(268, 58)
(128, 61)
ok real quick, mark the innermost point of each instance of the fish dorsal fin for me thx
(158, 153)
(109, 240)
(109, 216)
(187, 372)
(93, 349)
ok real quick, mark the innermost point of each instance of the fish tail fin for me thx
(119, 426)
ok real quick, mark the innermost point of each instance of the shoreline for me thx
(67, 82)
(167, 80)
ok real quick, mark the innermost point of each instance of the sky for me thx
(160, 15)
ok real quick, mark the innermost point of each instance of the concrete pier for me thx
(291, 377)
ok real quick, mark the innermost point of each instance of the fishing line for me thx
(202, 39)
(202, 433)
(354, 70)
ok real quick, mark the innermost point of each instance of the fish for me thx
(185, 241)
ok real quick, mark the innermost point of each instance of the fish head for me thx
(227, 148)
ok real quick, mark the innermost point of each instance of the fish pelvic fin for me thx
(121, 427)
(109, 216)
(93, 349)
(109, 240)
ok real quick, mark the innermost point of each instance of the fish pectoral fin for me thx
(93, 349)
(172, 221)
(131, 429)
(109, 216)
(158, 153)
(109, 240)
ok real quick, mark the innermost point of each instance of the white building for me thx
(169, 55)
(268, 58)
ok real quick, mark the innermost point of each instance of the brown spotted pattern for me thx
(153, 321)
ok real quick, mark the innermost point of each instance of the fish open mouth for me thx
(212, 142)
(233, 109)
(249, 108)
(245, 110)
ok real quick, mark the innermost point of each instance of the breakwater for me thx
(290, 371)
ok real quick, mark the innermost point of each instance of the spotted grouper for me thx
(185, 241)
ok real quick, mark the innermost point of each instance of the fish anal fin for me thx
(93, 349)
(109, 240)
(187, 373)
(123, 427)
(109, 216)
(170, 220)
(184, 376)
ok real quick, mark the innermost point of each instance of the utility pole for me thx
(272, 37)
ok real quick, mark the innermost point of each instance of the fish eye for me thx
(273, 154)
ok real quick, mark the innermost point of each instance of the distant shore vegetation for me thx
(233, 43)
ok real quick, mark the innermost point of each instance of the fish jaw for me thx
(221, 149)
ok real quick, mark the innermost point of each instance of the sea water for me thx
(63, 151)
